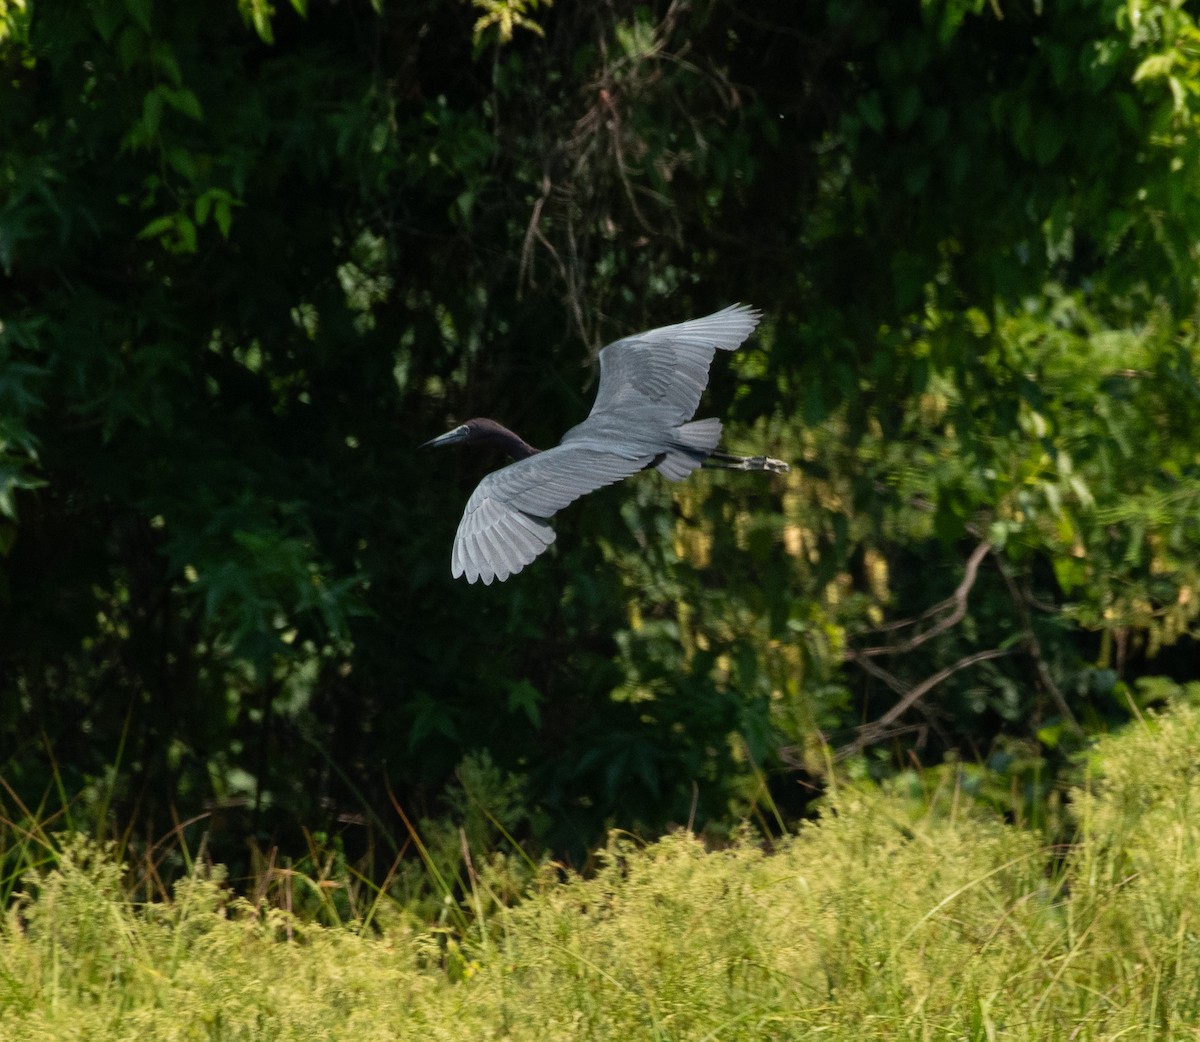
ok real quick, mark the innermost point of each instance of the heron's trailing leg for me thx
(727, 461)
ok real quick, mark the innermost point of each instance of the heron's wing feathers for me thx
(494, 541)
(504, 526)
(665, 370)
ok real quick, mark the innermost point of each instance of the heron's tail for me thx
(691, 444)
(727, 461)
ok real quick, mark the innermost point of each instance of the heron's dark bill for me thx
(449, 438)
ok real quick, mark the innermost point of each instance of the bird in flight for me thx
(650, 387)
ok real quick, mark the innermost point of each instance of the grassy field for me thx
(892, 918)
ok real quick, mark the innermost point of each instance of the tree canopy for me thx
(253, 255)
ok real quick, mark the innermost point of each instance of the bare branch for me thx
(957, 601)
(531, 231)
(870, 732)
(1021, 600)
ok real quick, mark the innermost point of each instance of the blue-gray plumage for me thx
(650, 387)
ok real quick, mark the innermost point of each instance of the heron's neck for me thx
(489, 432)
(517, 447)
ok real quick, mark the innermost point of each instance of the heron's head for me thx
(482, 431)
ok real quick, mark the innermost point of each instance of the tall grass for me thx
(890, 918)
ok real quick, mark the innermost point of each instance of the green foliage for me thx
(254, 253)
(505, 17)
(468, 854)
(890, 917)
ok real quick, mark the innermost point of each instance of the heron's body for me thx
(650, 387)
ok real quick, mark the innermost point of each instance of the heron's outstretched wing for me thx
(504, 526)
(663, 372)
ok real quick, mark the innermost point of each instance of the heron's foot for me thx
(775, 466)
(728, 461)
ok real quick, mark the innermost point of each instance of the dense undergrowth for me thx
(254, 253)
(894, 916)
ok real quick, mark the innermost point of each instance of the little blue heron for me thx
(650, 387)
